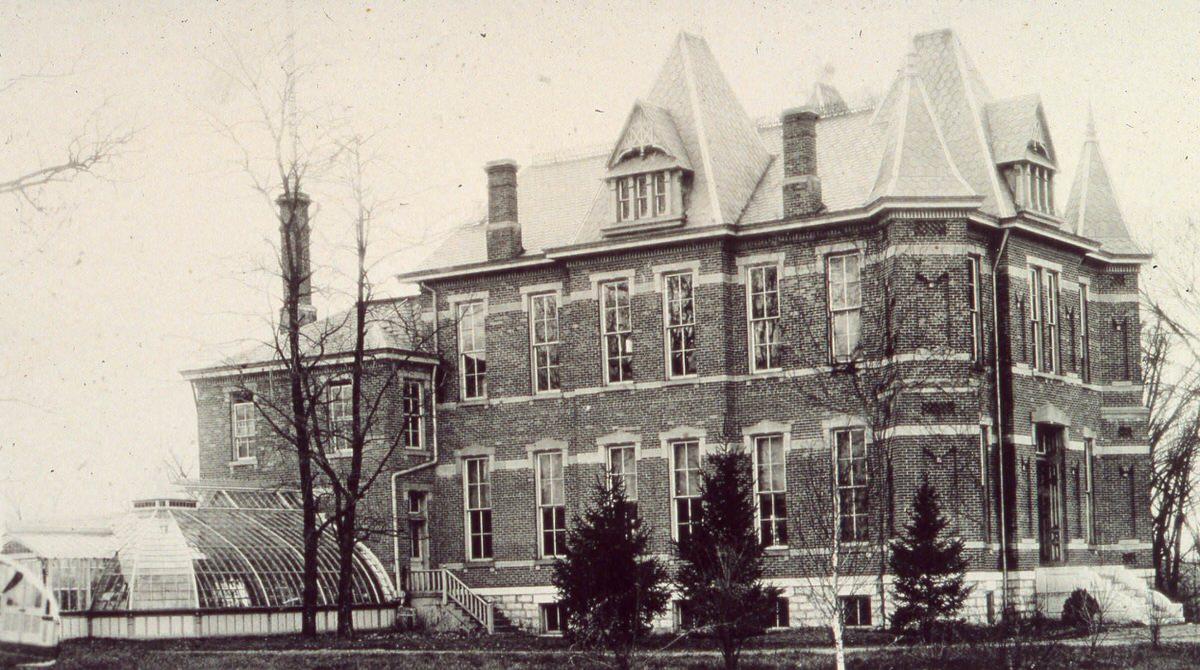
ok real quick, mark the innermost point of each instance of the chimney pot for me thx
(503, 226)
(294, 234)
(801, 185)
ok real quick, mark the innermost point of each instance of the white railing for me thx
(453, 589)
(425, 581)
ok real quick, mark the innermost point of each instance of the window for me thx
(418, 506)
(845, 304)
(1039, 188)
(681, 325)
(764, 317)
(973, 309)
(414, 411)
(622, 470)
(1085, 368)
(551, 617)
(71, 581)
(243, 427)
(1089, 490)
(551, 503)
(850, 460)
(1035, 318)
(772, 490)
(616, 331)
(643, 196)
(985, 478)
(472, 346)
(1052, 353)
(544, 341)
(685, 618)
(339, 417)
(479, 508)
(856, 610)
(782, 615)
(686, 487)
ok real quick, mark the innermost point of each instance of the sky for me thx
(157, 263)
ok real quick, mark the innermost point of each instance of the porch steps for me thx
(1124, 597)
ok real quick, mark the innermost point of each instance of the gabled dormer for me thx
(648, 173)
(1024, 152)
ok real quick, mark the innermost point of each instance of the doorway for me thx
(1051, 518)
(418, 530)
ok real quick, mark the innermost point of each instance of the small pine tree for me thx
(609, 587)
(720, 577)
(928, 569)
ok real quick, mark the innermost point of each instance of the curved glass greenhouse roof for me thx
(241, 549)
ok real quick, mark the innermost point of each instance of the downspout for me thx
(433, 459)
(1000, 423)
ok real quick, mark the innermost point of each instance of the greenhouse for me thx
(225, 560)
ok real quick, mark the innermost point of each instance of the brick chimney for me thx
(503, 228)
(294, 233)
(801, 185)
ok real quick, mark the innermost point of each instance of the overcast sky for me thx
(129, 278)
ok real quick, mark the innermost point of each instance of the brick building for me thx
(860, 298)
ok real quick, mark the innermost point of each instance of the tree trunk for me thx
(345, 601)
(839, 647)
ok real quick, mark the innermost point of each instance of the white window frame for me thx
(623, 332)
(485, 485)
(770, 321)
(472, 342)
(661, 182)
(339, 399)
(687, 354)
(551, 346)
(691, 477)
(243, 429)
(777, 489)
(643, 196)
(848, 314)
(613, 474)
(860, 519)
(543, 611)
(1052, 303)
(974, 308)
(557, 505)
(409, 417)
(1085, 359)
(1089, 483)
(418, 543)
(1035, 317)
(858, 610)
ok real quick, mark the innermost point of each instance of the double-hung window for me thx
(771, 483)
(680, 320)
(686, 487)
(339, 399)
(478, 483)
(418, 518)
(763, 287)
(1089, 490)
(985, 478)
(551, 503)
(414, 414)
(243, 427)
(643, 196)
(850, 462)
(844, 283)
(544, 341)
(622, 470)
(472, 347)
(856, 611)
(1052, 352)
(616, 330)
(1035, 318)
(974, 310)
(1085, 370)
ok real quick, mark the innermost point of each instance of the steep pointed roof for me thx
(915, 162)
(728, 156)
(825, 100)
(1013, 123)
(1092, 208)
(959, 98)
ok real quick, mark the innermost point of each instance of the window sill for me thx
(780, 549)
(480, 563)
(341, 453)
(547, 561)
(627, 385)
(548, 395)
(472, 402)
(244, 463)
(419, 447)
(766, 371)
(616, 228)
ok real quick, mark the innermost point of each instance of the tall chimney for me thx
(294, 233)
(801, 185)
(503, 228)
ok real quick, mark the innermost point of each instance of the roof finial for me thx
(1090, 135)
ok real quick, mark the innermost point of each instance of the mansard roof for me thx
(938, 134)
(915, 162)
(1092, 208)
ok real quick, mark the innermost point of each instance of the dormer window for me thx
(643, 196)
(1036, 187)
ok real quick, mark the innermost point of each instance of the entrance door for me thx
(418, 530)
(1051, 527)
